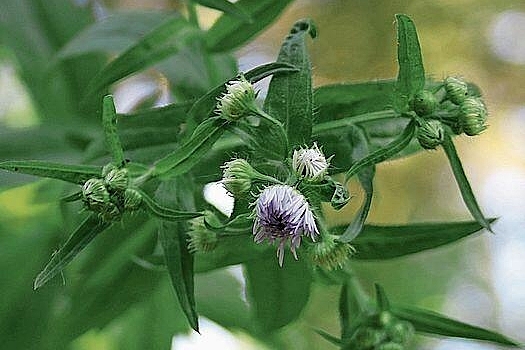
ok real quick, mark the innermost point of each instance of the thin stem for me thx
(192, 13)
(355, 119)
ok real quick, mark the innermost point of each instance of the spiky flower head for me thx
(94, 194)
(283, 214)
(132, 199)
(473, 116)
(238, 100)
(330, 253)
(431, 134)
(117, 179)
(237, 176)
(200, 238)
(457, 90)
(310, 163)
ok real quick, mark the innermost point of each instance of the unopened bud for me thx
(424, 103)
(94, 194)
(237, 176)
(430, 134)
(401, 332)
(368, 337)
(473, 116)
(117, 179)
(457, 90)
(238, 100)
(330, 253)
(390, 346)
(200, 238)
(132, 199)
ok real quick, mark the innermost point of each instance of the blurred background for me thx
(480, 280)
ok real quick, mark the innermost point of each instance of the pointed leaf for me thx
(227, 7)
(109, 122)
(290, 96)
(386, 242)
(228, 33)
(165, 213)
(411, 76)
(464, 186)
(384, 153)
(161, 42)
(71, 173)
(381, 298)
(433, 323)
(84, 234)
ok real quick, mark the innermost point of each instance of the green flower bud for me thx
(117, 179)
(132, 199)
(401, 332)
(238, 100)
(368, 337)
(237, 176)
(390, 346)
(310, 163)
(472, 116)
(457, 90)
(424, 103)
(107, 168)
(430, 134)
(109, 212)
(330, 253)
(94, 194)
(200, 238)
(386, 318)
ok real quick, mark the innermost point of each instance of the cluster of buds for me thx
(110, 196)
(383, 332)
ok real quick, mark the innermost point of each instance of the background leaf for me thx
(77, 174)
(227, 7)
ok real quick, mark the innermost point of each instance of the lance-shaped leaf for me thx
(161, 42)
(290, 96)
(386, 242)
(84, 234)
(430, 322)
(77, 174)
(179, 260)
(191, 152)
(166, 213)
(383, 153)
(411, 76)
(109, 122)
(360, 149)
(228, 33)
(464, 186)
(227, 7)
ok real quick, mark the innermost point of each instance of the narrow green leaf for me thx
(411, 76)
(345, 308)
(381, 298)
(84, 234)
(178, 259)
(430, 322)
(71, 173)
(277, 294)
(386, 242)
(190, 153)
(332, 339)
(464, 186)
(290, 96)
(161, 42)
(165, 213)
(109, 122)
(359, 143)
(170, 115)
(227, 7)
(228, 33)
(383, 153)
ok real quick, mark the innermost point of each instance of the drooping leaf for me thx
(430, 322)
(411, 76)
(227, 7)
(84, 234)
(109, 123)
(228, 33)
(386, 242)
(161, 42)
(384, 153)
(464, 186)
(277, 294)
(77, 174)
(290, 96)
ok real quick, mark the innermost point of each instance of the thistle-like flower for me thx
(310, 163)
(238, 100)
(282, 214)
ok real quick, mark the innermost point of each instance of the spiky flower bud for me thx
(430, 134)
(401, 332)
(132, 199)
(424, 103)
(457, 90)
(330, 253)
(237, 176)
(310, 163)
(283, 214)
(238, 100)
(117, 179)
(94, 194)
(200, 238)
(473, 116)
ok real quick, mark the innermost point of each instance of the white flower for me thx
(310, 163)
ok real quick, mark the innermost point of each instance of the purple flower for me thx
(283, 215)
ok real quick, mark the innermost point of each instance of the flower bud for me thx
(430, 134)
(310, 163)
(330, 253)
(473, 116)
(401, 332)
(457, 90)
(237, 176)
(132, 199)
(390, 346)
(368, 337)
(424, 103)
(200, 238)
(238, 100)
(94, 194)
(109, 212)
(117, 179)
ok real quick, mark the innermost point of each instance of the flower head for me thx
(431, 134)
(310, 163)
(237, 176)
(238, 100)
(330, 253)
(457, 90)
(473, 115)
(283, 215)
(200, 238)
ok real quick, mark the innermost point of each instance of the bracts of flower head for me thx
(283, 215)
(310, 163)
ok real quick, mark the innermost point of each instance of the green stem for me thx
(354, 119)
(192, 13)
